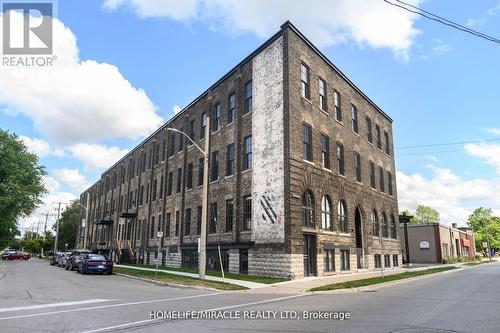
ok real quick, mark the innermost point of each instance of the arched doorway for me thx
(359, 237)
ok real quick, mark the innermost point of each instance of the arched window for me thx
(394, 231)
(375, 223)
(308, 209)
(342, 211)
(326, 213)
(385, 226)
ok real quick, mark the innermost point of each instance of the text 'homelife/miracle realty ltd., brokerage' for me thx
(248, 315)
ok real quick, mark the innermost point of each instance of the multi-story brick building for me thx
(301, 175)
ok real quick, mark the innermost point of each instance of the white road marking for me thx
(110, 306)
(214, 309)
(53, 305)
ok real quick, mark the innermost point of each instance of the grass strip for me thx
(243, 277)
(379, 279)
(177, 279)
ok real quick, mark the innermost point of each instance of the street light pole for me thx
(202, 259)
(57, 225)
(86, 221)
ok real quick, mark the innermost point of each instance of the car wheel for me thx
(66, 267)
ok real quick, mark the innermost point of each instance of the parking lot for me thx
(37, 297)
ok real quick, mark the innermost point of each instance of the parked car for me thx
(95, 263)
(16, 255)
(62, 258)
(54, 258)
(75, 257)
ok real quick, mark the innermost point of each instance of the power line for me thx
(446, 144)
(442, 20)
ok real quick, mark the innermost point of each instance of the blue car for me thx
(95, 263)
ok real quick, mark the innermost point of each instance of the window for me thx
(307, 141)
(394, 230)
(375, 226)
(189, 177)
(304, 81)
(213, 218)
(385, 226)
(357, 167)
(247, 213)
(179, 180)
(340, 158)
(169, 183)
(167, 225)
(201, 167)
(325, 151)
(147, 195)
(247, 153)
(152, 228)
(155, 183)
(387, 260)
(323, 104)
(192, 126)
(217, 116)
(377, 133)
(215, 166)
(231, 108)
(171, 149)
(248, 97)
(381, 176)
(369, 134)
(372, 174)
(345, 260)
(198, 220)
(395, 260)
(177, 222)
(308, 209)
(337, 112)
(387, 143)
(326, 213)
(187, 222)
(141, 196)
(389, 182)
(163, 147)
(354, 116)
(229, 215)
(162, 181)
(329, 256)
(342, 215)
(377, 260)
(230, 159)
(203, 124)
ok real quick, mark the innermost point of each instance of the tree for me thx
(486, 228)
(425, 215)
(68, 224)
(21, 184)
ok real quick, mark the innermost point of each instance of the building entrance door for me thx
(309, 255)
(359, 238)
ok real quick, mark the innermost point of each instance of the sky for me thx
(124, 67)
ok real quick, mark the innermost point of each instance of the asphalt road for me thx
(36, 297)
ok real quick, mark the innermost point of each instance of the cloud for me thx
(176, 109)
(97, 155)
(433, 158)
(439, 47)
(40, 147)
(72, 177)
(489, 152)
(495, 131)
(76, 100)
(453, 197)
(366, 22)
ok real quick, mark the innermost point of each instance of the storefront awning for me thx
(465, 242)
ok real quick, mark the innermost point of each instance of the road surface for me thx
(36, 297)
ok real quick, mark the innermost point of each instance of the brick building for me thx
(301, 175)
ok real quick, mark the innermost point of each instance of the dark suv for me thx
(74, 258)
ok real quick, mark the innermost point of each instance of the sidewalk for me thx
(247, 284)
(304, 284)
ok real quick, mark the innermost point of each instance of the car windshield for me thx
(96, 257)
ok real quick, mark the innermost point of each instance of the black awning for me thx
(104, 222)
(128, 215)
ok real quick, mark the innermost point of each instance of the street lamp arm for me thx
(187, 136)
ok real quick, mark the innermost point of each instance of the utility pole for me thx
(57, 224)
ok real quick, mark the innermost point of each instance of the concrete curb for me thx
(384, 284)
(173, 285)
